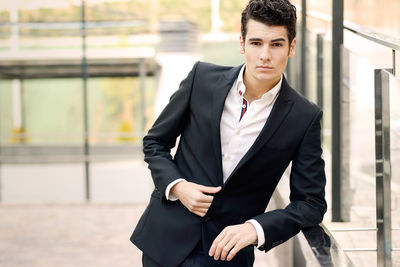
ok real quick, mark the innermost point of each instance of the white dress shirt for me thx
(238, 133)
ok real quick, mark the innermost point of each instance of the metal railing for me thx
(313, 246)
(383, 227)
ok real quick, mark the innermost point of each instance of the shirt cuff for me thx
(170, 196)
(260, 232)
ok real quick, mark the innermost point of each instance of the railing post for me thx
(320, 70)
(142, 86)
(303, 63)
(337, 42)
(383, 169)
(85, 103)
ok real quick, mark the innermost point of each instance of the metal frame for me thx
(142, 87)
(337, 42)
(383, 168)
(85, 103)
(383, 175)
(382, 134)
(303, 63)
(320, 70)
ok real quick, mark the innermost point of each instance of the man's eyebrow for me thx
(272, 41)
(279, 40)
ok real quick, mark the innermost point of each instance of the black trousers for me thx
(195, 259)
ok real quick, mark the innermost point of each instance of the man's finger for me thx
(204, 205)
(220, 248)
(233, 251)
(214, 245)
(227, 249)
(200, 211)
(211, 252)
(206, 199)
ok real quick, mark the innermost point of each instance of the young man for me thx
(239, 129)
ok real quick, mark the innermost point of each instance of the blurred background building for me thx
(81, 82)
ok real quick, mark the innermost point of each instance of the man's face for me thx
(266, 49)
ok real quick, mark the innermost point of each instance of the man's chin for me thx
(267, 78)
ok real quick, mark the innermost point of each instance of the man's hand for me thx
(231, 240)
(193, 196)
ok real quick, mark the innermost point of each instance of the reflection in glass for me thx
(358, 157)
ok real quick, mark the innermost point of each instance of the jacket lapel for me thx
(221, 90)
(278, 114)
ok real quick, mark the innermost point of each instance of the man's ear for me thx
(292, 48)
(241, 44)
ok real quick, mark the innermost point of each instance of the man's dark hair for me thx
(271, 12)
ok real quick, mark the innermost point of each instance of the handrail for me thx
(326, 249)
(379, 38)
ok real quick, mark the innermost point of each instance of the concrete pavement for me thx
(65, 235)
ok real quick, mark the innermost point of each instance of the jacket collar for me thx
(221, 91)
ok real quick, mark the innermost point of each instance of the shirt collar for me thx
(240, 87)
(269, 96)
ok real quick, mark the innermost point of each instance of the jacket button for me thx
(206, 219)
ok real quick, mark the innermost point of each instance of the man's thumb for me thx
(210, 189)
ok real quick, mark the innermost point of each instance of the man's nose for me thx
(265, 54)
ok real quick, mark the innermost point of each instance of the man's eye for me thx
(255, 43)
(277, 44)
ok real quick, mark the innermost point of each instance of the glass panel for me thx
(318, 25)
(380, 16)
(358, 158)
(380, 56)
(327, 99)
(6, 118)
(395, 158)
(115, 109)
(321, 6)
(49, 120)
(293, 68)
(311, 57)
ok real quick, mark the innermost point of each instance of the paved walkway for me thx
(68, 235)
(89, 235)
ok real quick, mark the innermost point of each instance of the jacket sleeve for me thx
(162, 136)
(307, 191)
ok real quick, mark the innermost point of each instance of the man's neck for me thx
(255, 90)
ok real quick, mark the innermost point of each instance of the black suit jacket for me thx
(167, 231)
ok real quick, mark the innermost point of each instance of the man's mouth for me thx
(264, 67)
